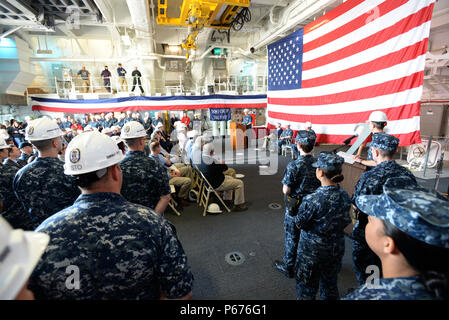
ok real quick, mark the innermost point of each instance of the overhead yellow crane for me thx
(199, 14)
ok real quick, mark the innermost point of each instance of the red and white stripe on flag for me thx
(360, 57)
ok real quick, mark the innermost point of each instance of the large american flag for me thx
(360, 57)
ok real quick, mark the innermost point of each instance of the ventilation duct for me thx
(15, 67)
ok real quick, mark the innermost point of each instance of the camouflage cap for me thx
(305, 137)
(384, 141)
(329, 161)
(419, 214)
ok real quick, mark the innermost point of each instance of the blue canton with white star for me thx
(285, 62)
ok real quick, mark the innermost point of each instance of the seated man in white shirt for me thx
(214, 173)
(175, 175)
(271, 138)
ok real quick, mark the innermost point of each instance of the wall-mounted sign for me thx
(220, 114)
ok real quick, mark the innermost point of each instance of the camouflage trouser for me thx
(291, 241)
(362, 257)
(319, 270)
(295, 150)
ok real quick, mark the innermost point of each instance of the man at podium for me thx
(247, 119)
(377, 122)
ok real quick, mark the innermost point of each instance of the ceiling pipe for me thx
(151, 56)
(204, 54)
(298, 17)
(437, 56)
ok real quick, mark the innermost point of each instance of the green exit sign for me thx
(219, 51)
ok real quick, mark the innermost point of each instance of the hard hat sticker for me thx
(127, 129)
(75, 155)
(30, 130)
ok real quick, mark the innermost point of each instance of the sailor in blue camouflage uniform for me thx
(322, 217)
(409, 231)
(299, 180)
(11, 209)
(27, 151)
(383, 148)
(41, 186)
(128, 117)
(121, 121)
(145, 181)
(119, 250)
(308, 128)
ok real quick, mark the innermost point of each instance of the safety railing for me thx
(232, 84)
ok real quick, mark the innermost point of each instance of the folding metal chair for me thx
(172, 203)
(287, 147)
(205, 192)
(197, 182)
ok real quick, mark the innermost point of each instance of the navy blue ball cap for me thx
(25, 144)
(384, 141)
(329, 161)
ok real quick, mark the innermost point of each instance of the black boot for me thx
(278, 265)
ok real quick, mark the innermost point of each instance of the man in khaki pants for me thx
(214, 173)
(122, 78)
(85, 77)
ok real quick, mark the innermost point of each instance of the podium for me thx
(352, 173)
(238, 136)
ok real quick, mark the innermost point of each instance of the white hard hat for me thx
(308, 124)
(208, 148)
(192, 134)
(20, 252)
(214, 208)
(4, 134)
(246, 110)
(133, 129)
(159, 125)
(88, 128)
(90, 152)
(208, 137)
(4, 145)
(106, 130)
(42, 129)
(177, 123)
(117, 139)
(378, 116)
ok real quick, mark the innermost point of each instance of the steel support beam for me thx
(25, 7)
(7, 33)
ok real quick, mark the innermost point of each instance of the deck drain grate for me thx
(274, 206)
(235, 258)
